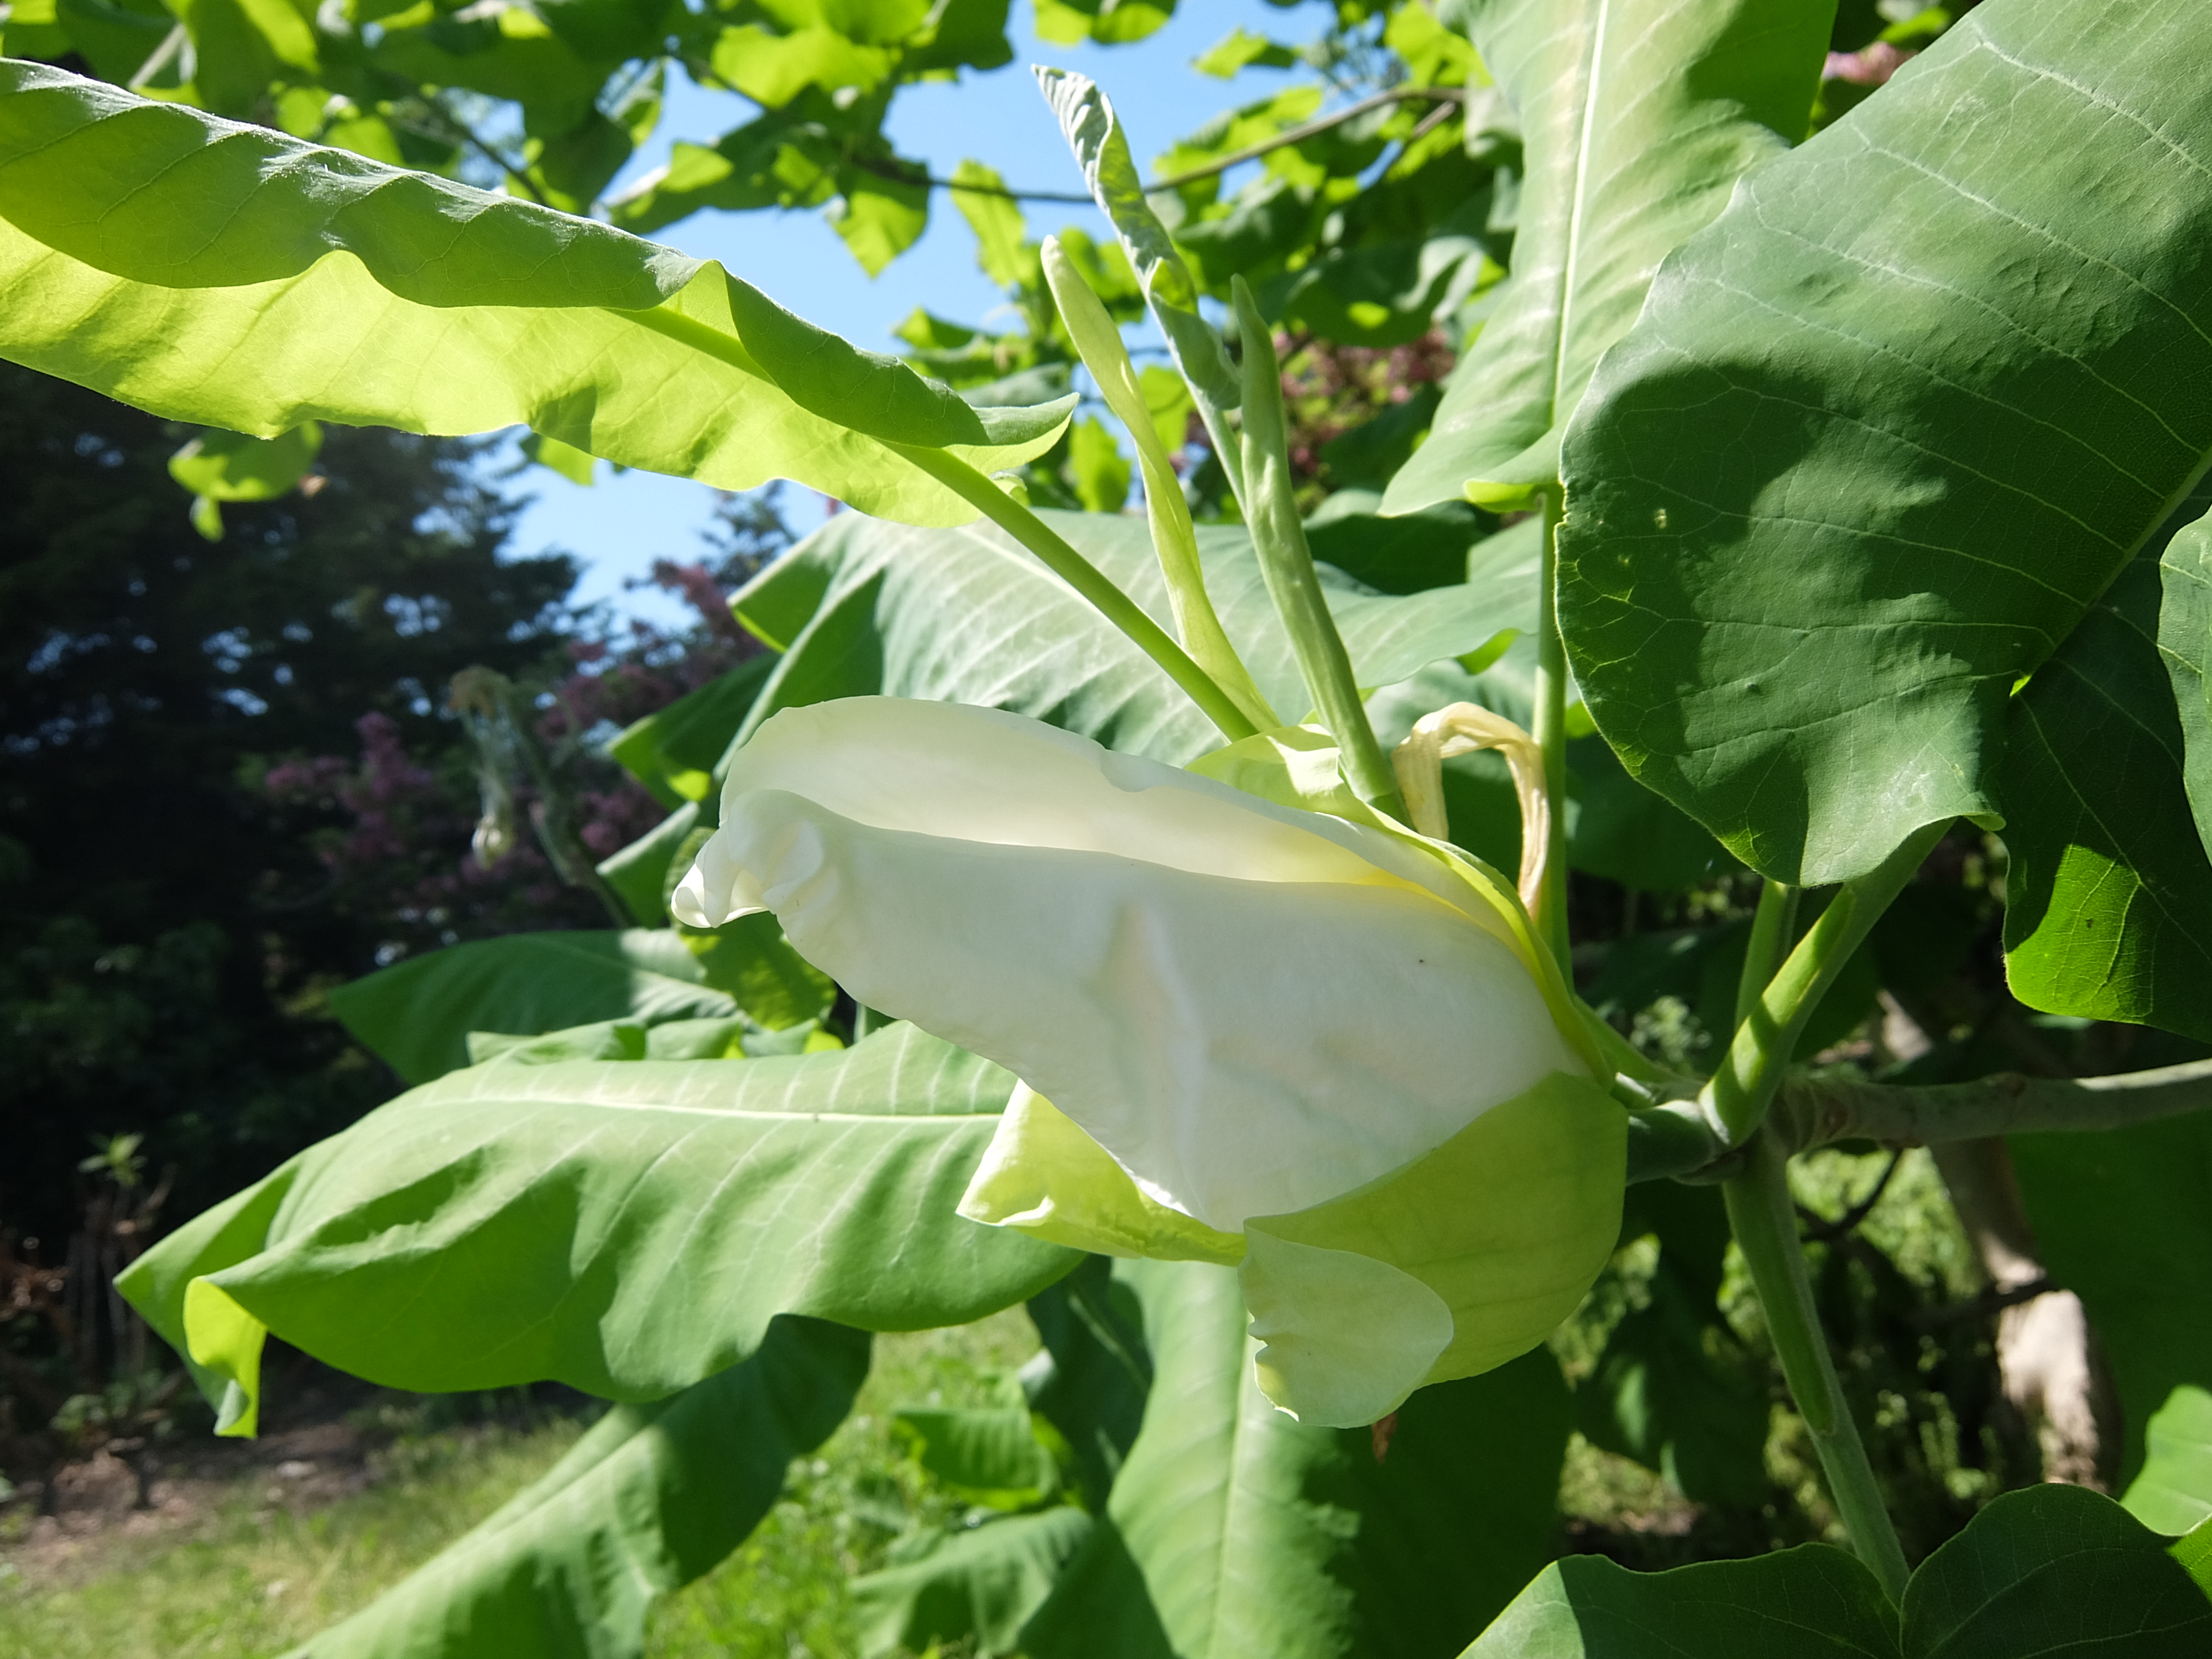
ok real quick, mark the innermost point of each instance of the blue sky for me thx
(621, 525)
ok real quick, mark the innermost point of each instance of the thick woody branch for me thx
(1679, 1139)
(1812, 1113)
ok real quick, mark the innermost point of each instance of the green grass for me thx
(781, 1595)
(256, 1579)
(252, 1580)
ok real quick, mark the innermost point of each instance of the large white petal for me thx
(1242, 1047)
(983, 774)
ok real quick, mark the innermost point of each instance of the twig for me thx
(1299, 134)
(904, 172)
(1445, 97)
(1822, 1230)
(1680, 1141)
(1978, 1307)
(1810, 1113)
(451, 130)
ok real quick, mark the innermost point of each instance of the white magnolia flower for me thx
(1248, 1032)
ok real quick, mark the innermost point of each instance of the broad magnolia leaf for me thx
(980, 1583)
(987, 1453)
(616, 1039)
(1233, 1529)
(862, 607)
(1812, 1602)
(2052, 1571)
(230, 466)
(2173, 1492)
(1888, 428)
(1638, 116)
(2154, 1317)
(1436, 548)
(628, 1227)
(2185, 641)
(653, 1497)
(675, 751)
(1092, 1379)
(231, 276)
(2108, 897)
(643, 872)
(1664, 1391)
(417, 1015)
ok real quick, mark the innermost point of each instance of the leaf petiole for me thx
(1279, 538)
(1549, 912)
(1085, 578)
(1737, 1096)
(1765, 1227)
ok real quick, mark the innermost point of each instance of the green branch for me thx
(1810, 1113)
(1298, 135)
(1677, 1140)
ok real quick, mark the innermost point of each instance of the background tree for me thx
(174, 900)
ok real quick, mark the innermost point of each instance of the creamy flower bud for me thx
(1252, 1024)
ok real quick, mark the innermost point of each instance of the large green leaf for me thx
(2184, 639)
(417, 1015)
(981, 1583)
(2048, 1571)
(1811, 1602)
(864, 608)
(2108, 899)
(1671, 1389)
(1235, 1530)
(1638, 117)
(2053, 1571)
(1890, 426)
(989, 1454)
(1092, 1380)
(643, 874)
(2173, 1492)
(628, 1227)
(673, 751)
(231, 276)
(2123, 1219)
(651, 1498)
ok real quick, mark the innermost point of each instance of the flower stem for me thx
(1765, 1227)
(1086, 578)
(1738, 1095)
(1773, 926)
(1279, 537)
(1175, 538)
(1550, 912)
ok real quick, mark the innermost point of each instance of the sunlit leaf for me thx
(628, 1228)
(1889, 428)
(1233, 1528)
(233, 276)
(863, 608)
(2052, 1570)
(1001, 234)
(652, 1497)
(1638, 116)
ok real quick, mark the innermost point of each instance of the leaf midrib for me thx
(1577, 213)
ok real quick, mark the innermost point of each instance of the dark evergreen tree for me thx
(168, 919)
